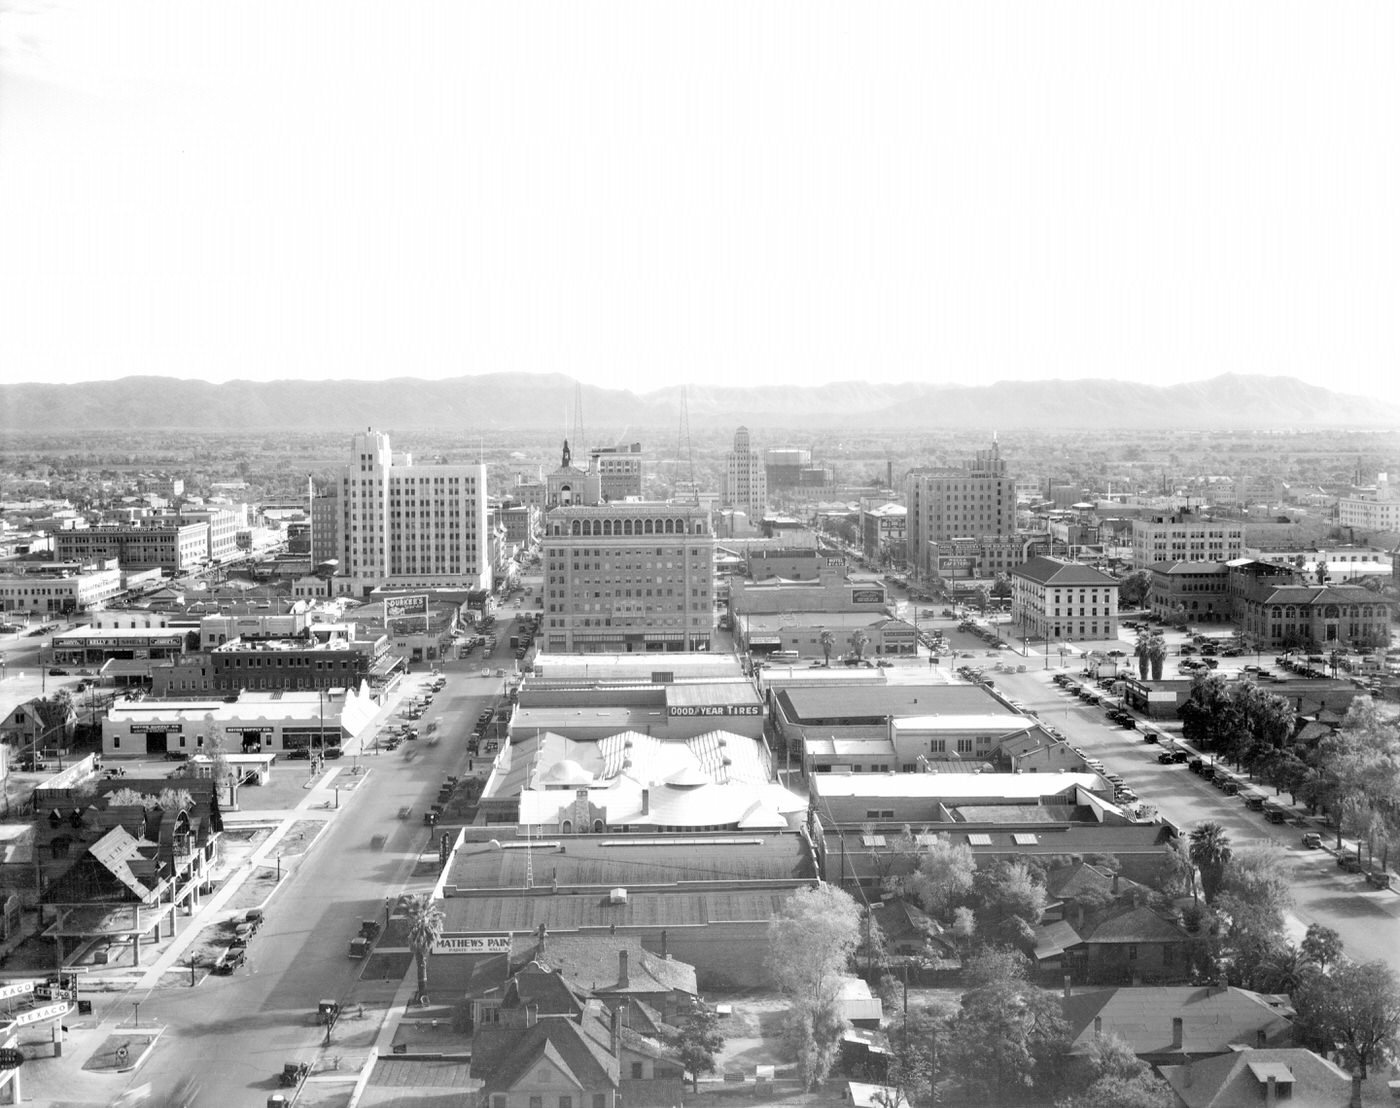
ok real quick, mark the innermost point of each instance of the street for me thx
(232, 1035)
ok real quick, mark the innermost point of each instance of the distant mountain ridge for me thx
(502, 400)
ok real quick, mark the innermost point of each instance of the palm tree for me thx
(1142, 650)
(859, 641)
(1157, 653)
(424, 930)
(1210, 851)
(828, 641)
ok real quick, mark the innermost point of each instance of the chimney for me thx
(1098, 1025)
(532, 1014)
(1078, 916)
(1068, 983)
(1271, 1092)
(622, 969)
(1176, 1032)
(646, 802)
(1355, 1101)
(544, 940)
(1115, 884)
(663, 944)
(1261, 1040)
(615, 1026)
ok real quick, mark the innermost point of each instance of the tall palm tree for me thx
(828, 641)
(424, 930)
(859, 641)
(1210, 851)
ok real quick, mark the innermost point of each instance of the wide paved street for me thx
(230, 1036)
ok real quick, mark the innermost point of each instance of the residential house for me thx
(1168, 1025)
(1243, 1079)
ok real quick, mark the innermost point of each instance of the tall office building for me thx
(745, 480)
(410, 526)
(628, 577)
(976, 502)
(619, 470)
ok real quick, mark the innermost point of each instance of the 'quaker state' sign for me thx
(867, 596)
(11, 1059)
(472, 944)
(416, 605)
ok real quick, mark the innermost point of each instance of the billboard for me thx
(416, 605)
(867, 596)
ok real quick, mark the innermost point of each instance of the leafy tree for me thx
(1257, 877)
(1321, 946)
(993, 965)
(174, 800)
(1011, 901)
(1209, 851)
(1133, 589)
(828, 641)
(964, 924)
(1112, 1076)
(945, 874)
(810, 943)
(697, 1041)
(1007, 1043)
(425, 921)
(1355, 1008)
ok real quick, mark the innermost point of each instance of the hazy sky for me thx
(640, 193)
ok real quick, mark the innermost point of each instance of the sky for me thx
(648, 193)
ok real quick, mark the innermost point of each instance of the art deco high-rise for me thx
(745, 480)
(410, 526)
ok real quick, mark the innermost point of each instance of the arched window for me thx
(646, 527)
(574, 528)
(626, 526)
(597, 827)
(597, 527)
(567, 827)
(1331, 611)
(670, 526)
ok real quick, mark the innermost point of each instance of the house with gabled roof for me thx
(618, 968)
(1246, 1078)
(1172, 1024)
(590, 1061)
(1134, 945)
(145, 867)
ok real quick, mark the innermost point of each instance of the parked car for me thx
(231, 960)
(57, 672)
(333, 752)
(1312, 840)
(301, 754)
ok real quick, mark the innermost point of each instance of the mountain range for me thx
(502, 400)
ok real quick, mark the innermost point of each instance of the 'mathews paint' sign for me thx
(472, 944)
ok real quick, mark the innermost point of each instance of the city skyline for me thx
(639, 195)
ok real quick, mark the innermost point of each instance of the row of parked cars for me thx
(235, 954)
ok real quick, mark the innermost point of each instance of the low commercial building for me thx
(667, 712)
(717, 781)
(250, 724)
(55, 591)
(802, 632)
(703, 899)
(122, 655)
(923, 798)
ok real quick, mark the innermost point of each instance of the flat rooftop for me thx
(860, 703)
(950, 786)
